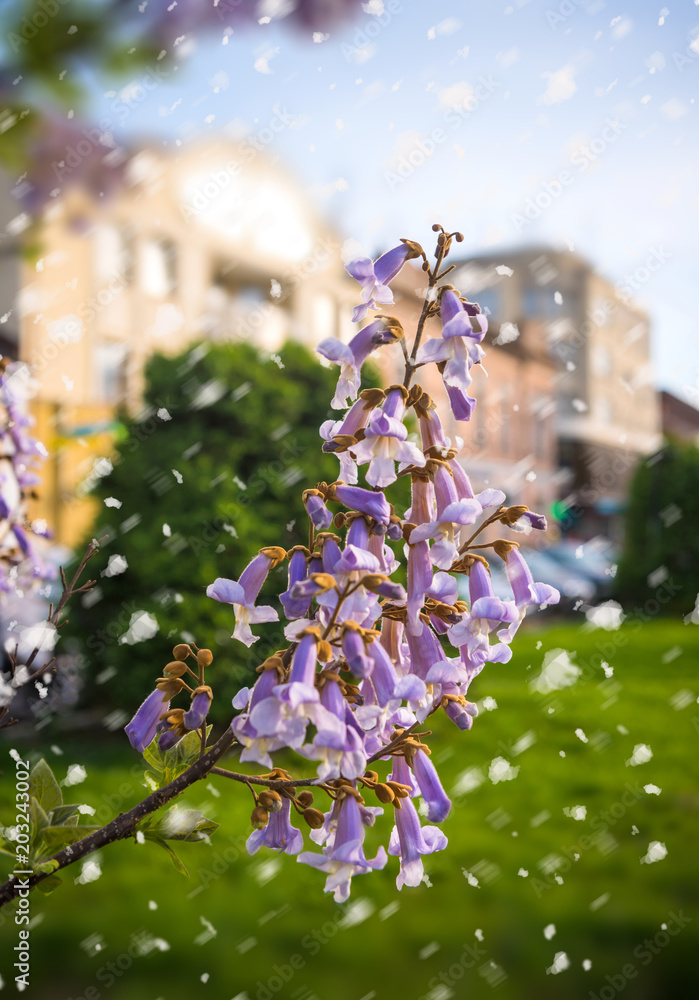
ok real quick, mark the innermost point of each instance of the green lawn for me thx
(262, 927)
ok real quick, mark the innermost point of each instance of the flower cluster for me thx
(20, 456)
(370, 659)
(154, 718)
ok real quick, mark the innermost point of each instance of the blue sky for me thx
(593, 98)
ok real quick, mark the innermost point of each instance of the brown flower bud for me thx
(502, 546)
(324, 580)
(400, 791)
(270, 800)
(259, 818)
(325, 651)
(384, 793)
(205, 658)
(182, 651)
(314, 818)
(512, 514)
(305, 798)
(274, 552)
(175, 669)
(170, 686)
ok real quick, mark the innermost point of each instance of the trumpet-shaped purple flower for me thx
(345, 858)
(459, 345)
(242, 594)
(370, 502)
(296, 607)
(487, 611)
(339, 742)
(337, 434)
(141, 729)
(452, 514)
(258, 746)
(427, 779)
(319, 515)
(409, 840)
(374, 277)
(279, 834)
(385, 443)
(199, 709)
(350, 357)
(526, 592)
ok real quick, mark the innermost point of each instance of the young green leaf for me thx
(44, 787)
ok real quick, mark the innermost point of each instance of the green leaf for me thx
(170, 763)
(61, 814)
(44, 787)
(173, 857)
(38, 821)
(49, 885)
(47, 866)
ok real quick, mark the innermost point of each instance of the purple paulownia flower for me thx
(409, 840)
(256, 746)
(369, 502)
(338, 434)
(319, 515)
(459, 344)
(345, 858)
(141, 729)
(339, 747)
(296, 607)
(486, 612)
(242, 594)
(426, 777)
(171, 729)
(525, 591)
(279, 834)
(374, 277)
(350, 357)
(199, 709)
(385, 443)
(452, 514)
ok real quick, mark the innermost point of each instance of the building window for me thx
(505, 420)
(113, 254)
(111, 359)
(159, 267)
(488, 300)
(601, 361)
(539, 303)
(323, 318)
(603, 410)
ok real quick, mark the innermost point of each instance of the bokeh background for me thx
(180, 186)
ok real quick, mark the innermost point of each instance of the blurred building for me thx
(547, 304)
(213, 242)
(679, 418)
